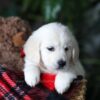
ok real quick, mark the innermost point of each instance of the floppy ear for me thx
(32, 49)
(75, 52)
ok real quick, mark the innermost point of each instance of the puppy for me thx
(52, 49)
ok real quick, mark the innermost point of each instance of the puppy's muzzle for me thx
(61, 63)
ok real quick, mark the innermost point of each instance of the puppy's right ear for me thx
(32, 49)
(75, 52)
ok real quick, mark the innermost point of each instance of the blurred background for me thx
(82, 17)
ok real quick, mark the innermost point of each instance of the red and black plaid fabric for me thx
(13, 87)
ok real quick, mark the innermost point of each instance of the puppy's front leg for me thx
(63, 81)
(31, 74)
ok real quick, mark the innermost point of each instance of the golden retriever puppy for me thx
(52, 49)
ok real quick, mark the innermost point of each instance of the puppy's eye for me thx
(66, 48)
(51, 48)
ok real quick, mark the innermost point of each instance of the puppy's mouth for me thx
(52, 67)
(60, 67)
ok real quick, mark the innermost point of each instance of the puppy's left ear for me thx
(32, 49)
(75, 52)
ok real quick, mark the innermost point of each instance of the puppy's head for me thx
(53, 45)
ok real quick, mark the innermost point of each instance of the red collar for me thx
(48, 80)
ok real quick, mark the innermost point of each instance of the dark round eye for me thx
(66, 49)
(51, 48)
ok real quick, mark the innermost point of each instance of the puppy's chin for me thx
(51, 70)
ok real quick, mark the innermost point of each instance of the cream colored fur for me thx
(39, 59)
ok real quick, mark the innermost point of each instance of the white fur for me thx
(32, 74)
(38, 59)
(63, 81)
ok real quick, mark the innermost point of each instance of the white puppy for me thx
(52, 49)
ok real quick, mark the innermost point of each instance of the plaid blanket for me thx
(13, 87)
(10, 89)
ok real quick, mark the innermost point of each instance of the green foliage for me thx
(51, 8)
(66, 11)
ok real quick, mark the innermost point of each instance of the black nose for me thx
(61, 63)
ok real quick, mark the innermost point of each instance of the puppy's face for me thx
(53, 45)
(56, 51)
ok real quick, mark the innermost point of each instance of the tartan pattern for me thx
(11, 90)
(13, 87)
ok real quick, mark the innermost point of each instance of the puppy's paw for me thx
(32, 78)
(61, 84)
(63, 81)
